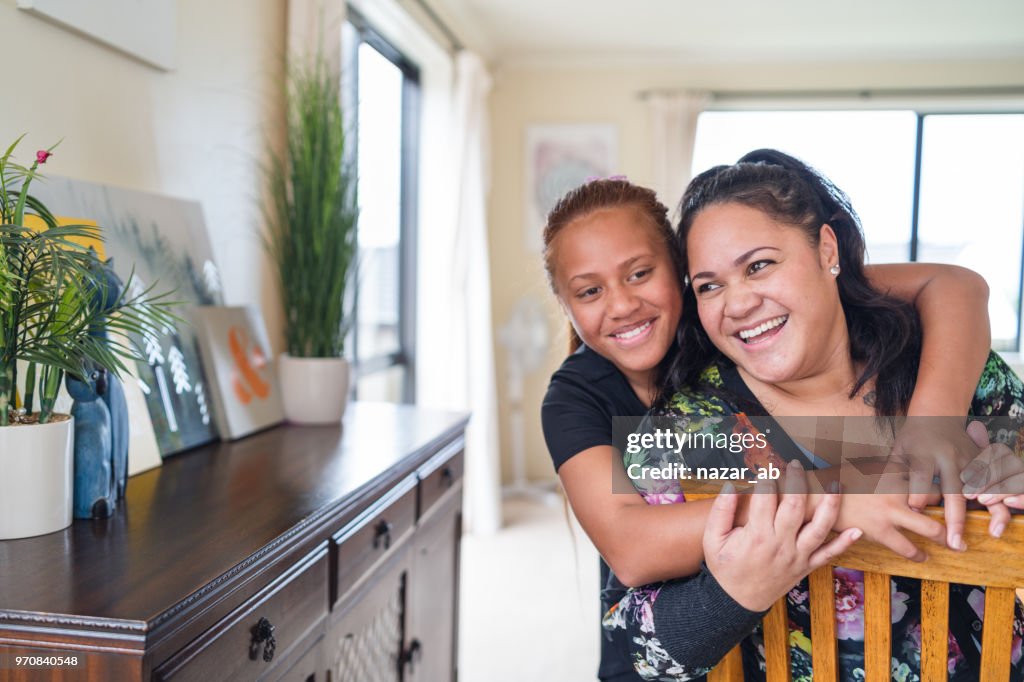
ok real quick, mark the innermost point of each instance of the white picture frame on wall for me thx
(561, 156)
(144, 29)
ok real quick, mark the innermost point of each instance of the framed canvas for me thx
(161, 241)
(558, 158)
(240, 367)
(144, 29)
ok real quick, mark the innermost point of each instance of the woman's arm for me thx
(680, 629)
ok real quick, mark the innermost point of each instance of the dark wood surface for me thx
(200, 516)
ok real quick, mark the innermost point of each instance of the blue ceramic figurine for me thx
(101, 426)
(95, 488)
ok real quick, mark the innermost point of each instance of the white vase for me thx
(313, 390)
(37, 480)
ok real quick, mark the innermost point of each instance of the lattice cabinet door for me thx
(431, 650)
(364, 641)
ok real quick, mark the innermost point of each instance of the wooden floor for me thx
(529, 600)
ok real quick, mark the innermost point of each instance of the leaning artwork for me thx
(156, 239)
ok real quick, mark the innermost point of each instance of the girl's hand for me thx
(758, 563)
(937, 446)
(884, 517)
(995, 478)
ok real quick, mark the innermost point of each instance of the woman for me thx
(611, 263)
(781, 319)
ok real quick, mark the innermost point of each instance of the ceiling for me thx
(512, 31)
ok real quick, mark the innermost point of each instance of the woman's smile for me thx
(762, 332)
(764, 293)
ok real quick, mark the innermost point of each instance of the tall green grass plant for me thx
(312, 215)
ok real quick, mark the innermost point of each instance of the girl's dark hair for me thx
(595, 196)
(885, 333)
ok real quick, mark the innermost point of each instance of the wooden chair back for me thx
(998, 564)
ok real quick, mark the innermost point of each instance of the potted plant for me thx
(311, 218)
(49, 317)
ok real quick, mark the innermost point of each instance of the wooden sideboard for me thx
(301, 553)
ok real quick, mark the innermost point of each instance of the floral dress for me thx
(1000, 393)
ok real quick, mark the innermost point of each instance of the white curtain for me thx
(673, 117)
(469, 295)
(455, 344)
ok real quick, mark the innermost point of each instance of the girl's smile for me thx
(634, 334)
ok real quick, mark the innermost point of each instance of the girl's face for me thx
(616, 282)
(765, 295)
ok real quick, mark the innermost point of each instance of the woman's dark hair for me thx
(597, 195)
(885, 333)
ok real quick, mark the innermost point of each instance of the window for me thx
(382, 93)
(971, 210)
(944, 188)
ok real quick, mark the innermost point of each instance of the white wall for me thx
(196, 132)
(535, 93)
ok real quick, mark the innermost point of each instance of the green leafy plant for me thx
(311, 215)
(53, 301)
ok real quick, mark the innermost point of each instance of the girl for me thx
(611, 263)
(781, 319)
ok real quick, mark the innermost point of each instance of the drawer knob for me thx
(263, 633)
(447, 477)
(382, 534)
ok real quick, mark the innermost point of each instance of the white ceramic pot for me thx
(37, 479)
(313, 390)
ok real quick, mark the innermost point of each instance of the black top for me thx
(584, 395)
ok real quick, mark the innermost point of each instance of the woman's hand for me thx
(759, 562)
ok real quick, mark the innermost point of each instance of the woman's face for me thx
(617, 284)
(765, 295)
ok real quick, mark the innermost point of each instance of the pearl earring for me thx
(834, 270)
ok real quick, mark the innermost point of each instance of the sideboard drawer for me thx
(439, 480)
(286, 611)
(373, 535)
(309, 667)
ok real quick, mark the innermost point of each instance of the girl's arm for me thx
(648, 543)
(641, 543)
(953, 305)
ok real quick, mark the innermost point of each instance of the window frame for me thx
(922, 114)
(405, 357)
